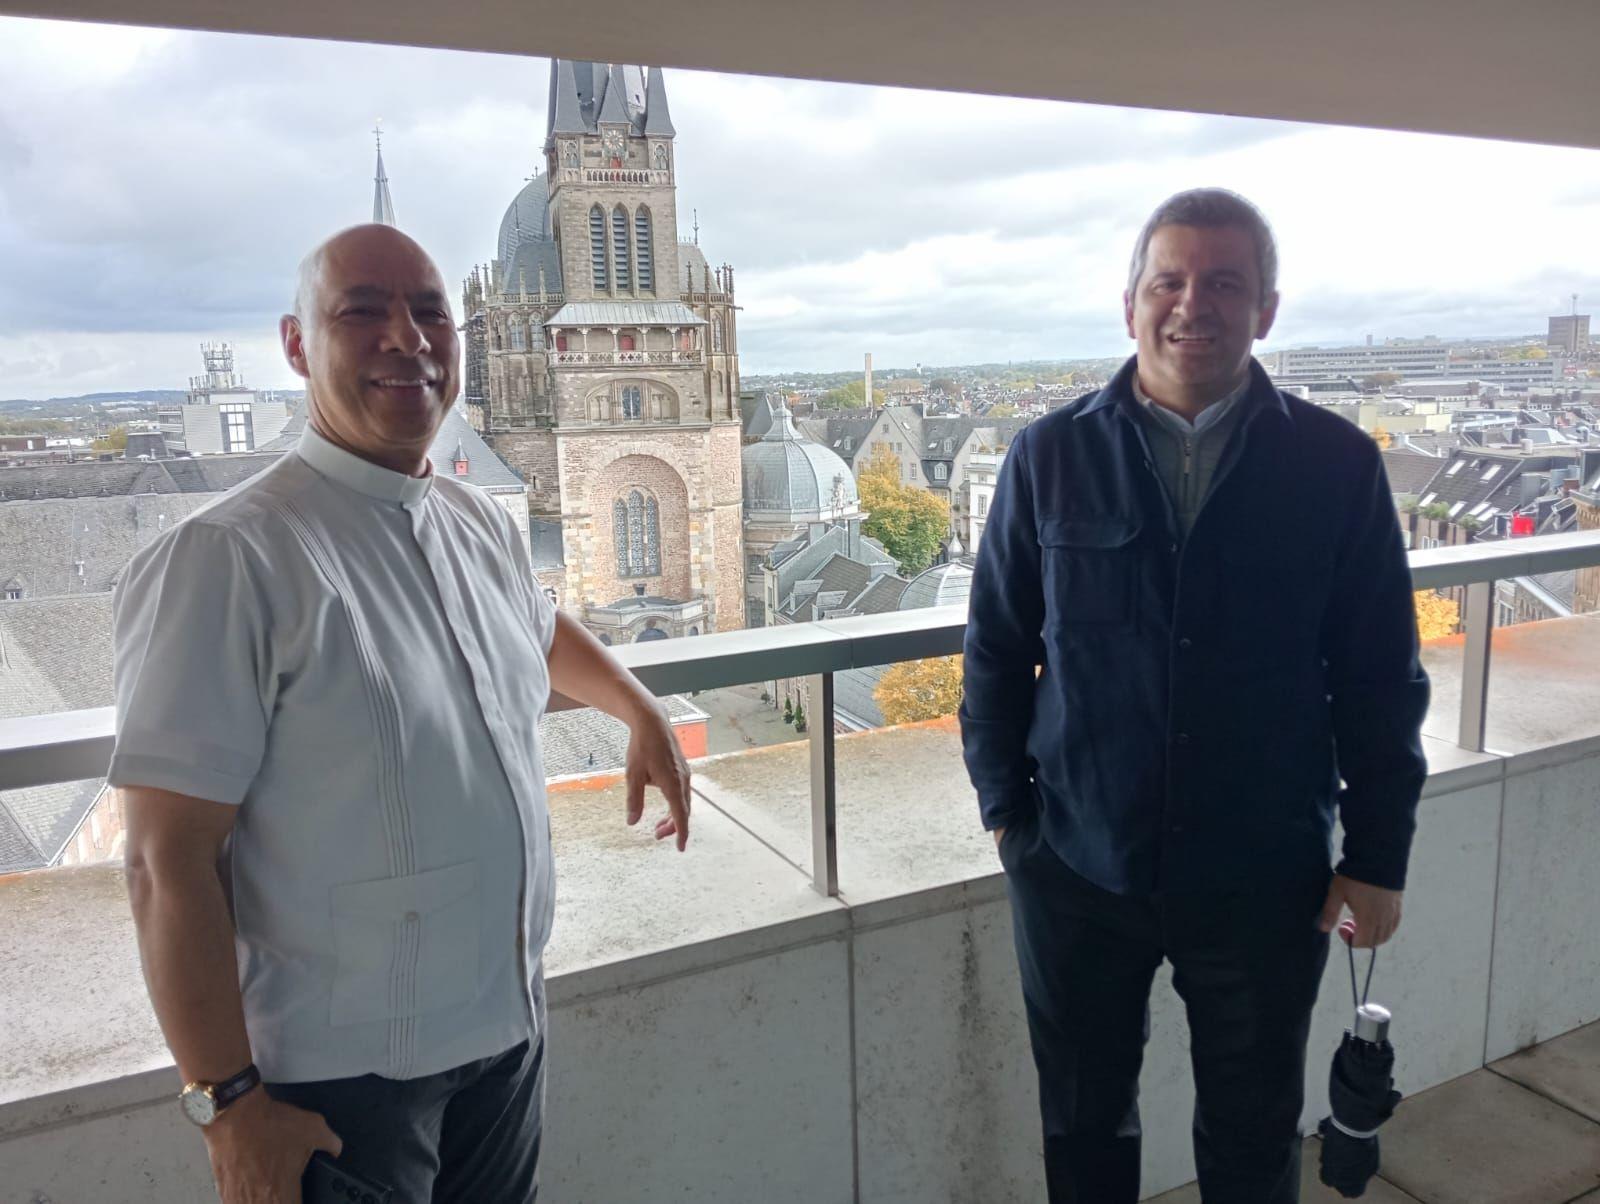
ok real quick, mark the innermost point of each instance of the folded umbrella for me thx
(1360, 1090)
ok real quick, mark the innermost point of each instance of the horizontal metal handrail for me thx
(71, 745)
(1525, 556)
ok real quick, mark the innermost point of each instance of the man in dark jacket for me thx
(1191, 618)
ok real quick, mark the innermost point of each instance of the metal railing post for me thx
(824, 787)
(1477, 623)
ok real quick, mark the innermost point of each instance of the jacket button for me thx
(1186, 643)
(1182, 738)
(1173, 549)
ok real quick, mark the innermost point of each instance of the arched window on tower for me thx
(632, 403)
(621, 260)
(597, 247)
(636, 535)
(716, 332)
(519, 335)
(643, 255)
(619, 536)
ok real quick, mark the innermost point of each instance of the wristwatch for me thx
(204, 1102)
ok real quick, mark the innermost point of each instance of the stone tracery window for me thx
(632, 403)
(716, 332)
(636, 535)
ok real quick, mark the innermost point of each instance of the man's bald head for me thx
(356, 241)
(373, 335)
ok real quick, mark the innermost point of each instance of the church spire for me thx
(382, 204)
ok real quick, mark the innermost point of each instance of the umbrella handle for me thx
(1347, 933)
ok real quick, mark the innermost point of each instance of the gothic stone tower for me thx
(602, 361)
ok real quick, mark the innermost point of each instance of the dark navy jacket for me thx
(1199, 700)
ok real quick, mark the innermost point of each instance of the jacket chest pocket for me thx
(1090, 568)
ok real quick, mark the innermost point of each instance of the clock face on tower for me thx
(611, 146)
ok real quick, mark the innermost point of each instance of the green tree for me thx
(909, 522)
(850, 397)
(1379, 381)
(1002, 409)
(34, 426)
(114, 440)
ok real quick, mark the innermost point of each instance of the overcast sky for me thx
(157, 189)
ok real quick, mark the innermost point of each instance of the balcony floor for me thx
(1524, 1130)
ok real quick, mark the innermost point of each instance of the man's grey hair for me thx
(1210, 208)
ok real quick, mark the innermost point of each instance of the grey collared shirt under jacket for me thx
(357, 659)
(1187, 454)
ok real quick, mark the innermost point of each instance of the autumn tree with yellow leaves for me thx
(912, 691)
(1437, 616)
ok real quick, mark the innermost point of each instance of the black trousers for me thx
(463, 1136)
(1247, 965)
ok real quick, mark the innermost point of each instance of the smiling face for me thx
(1195, 311)
(374, 337)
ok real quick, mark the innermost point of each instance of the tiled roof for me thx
(842, 575)
(1409, 471)
(17, 852)
(625, 313)
(484, 469)
(568, 738)
(882, 595)
(853, 697)
(55, 655)
(79, 546)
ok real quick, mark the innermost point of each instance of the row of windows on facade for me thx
(530, 337)
(618, 261)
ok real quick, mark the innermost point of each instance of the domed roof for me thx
(522, 269)
(942, 585)
(788, 476)
(528, 216)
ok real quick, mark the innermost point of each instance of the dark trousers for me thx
(1247, 965)
(462, 1136)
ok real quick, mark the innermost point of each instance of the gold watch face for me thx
(198, 1105)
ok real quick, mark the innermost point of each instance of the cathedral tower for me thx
(602, 361)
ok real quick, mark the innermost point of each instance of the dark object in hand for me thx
(326, 1182)
(1361, 1090)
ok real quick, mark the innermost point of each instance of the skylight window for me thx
(1491, 472)
(1456, 509)
(1455, 468)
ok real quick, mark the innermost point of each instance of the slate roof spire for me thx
(382, 203)
(584, 94)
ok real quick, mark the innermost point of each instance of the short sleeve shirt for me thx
(357, 660)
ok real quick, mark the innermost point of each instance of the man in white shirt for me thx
(332, 677)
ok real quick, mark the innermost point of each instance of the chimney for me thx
(462, 464)
(866, 399)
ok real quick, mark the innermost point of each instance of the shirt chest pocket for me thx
(405, 946)
(1090, 568)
